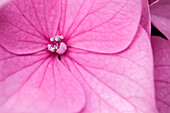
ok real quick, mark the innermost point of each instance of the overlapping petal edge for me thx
(151, 2)
(145, 20)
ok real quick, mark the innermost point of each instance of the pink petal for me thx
(105, 26)
(151, 2)
(116, 83)
(44, 86)
(161, 52)
(11, 63)
(145, 21)
(160, 14)
(27, 25)
(2, 2)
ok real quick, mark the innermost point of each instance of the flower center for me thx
(57, 45)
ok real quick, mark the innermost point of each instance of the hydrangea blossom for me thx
(161, 52)
(161, 16)
(160, 19)
(86, 56)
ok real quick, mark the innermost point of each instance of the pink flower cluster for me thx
(84, 56)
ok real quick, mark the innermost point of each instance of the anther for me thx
(51, 39)
(57, 39)
(61, 37)
(52, 49)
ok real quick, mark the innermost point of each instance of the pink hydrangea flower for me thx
(161, 52)
(65, 56)
(160, 13)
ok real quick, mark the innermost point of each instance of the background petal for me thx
(151, 2)
(145, 21)
(38, 85)
(27, 25)
(116, 83)
(161, 52)
(160, 16)
(105, 26)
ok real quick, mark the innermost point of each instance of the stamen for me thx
(52, 49)
(61, 37)
(57, 45)
(51, 39)
(57, 39)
